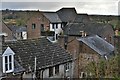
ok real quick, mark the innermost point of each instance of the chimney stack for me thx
(2, 37)
(83, 33)
(116, 32)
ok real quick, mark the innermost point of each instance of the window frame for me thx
(57, 69)
(33, 26)
(53, 26)
(8, 66)
(50, 71)
(42, 27)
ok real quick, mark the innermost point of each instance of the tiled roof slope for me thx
(67, 14)
(99, 45)
(81, 18)
(52, 16)
(47, 53)
(90, 28)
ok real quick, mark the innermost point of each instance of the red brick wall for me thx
(37, 19)
(81, 54)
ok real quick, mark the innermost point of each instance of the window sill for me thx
(9, 71)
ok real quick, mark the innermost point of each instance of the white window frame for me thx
(8, 62)
(67, 67)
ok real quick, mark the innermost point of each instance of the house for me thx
(19, 32)
(36, 24)
(35, 58)
(67, 15)
(92, 48)
(55, 24)
(81, 18)
(105, 31)
(59, 19)
(5, 29)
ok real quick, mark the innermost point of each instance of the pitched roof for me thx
(98, 44)
(67, 14)
(81, 18)
(52, 16)
(47, 53)
(18, 29)
(73, 28)
(90, 28)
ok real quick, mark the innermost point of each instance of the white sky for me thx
(104, 7)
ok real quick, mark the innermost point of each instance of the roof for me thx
(98, 44)
(18, 29)
(52, 16)
(46, 53)
(67, 14)
(81, 18)
(90, 28)
(73, 28)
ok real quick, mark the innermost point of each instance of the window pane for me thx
(56, 69)
(42, 27)
(10, 66)
(10, 62)
(33, 26)
(52, 26)
(6, 60)
(50, 71)
(10, 58)
(6, 67)
(56, 36)
(56, 26)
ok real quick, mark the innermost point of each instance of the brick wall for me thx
(37, 19)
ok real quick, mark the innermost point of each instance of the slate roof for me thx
(81, 18)
(90, 28)
(47, 53)
(98, 44)
(73, 28)
(67, 14)
(18, 29)
(52, 16)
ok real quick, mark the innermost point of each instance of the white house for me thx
(55, 24)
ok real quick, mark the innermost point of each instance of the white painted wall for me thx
(55, 29)
(24, 34)
(61, 74)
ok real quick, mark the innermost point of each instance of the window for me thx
(67, 67)
(53, 25)
(8, 63)
(50, 71)
(57, 69)
(42, 27)
(56, 26)
(56, 36)
(33, 26)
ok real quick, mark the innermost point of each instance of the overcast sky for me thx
(104, 7)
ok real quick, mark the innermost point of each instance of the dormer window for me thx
(8, 61)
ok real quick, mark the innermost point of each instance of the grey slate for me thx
(52, 16)
(81, 18)
(98, 44)
(47, 53)
(67, 14)
(18, 29)
(90, 28)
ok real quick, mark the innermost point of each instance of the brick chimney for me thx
(2, 37)
(83, 33)
(116, 32)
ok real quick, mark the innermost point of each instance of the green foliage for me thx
(105, 68)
